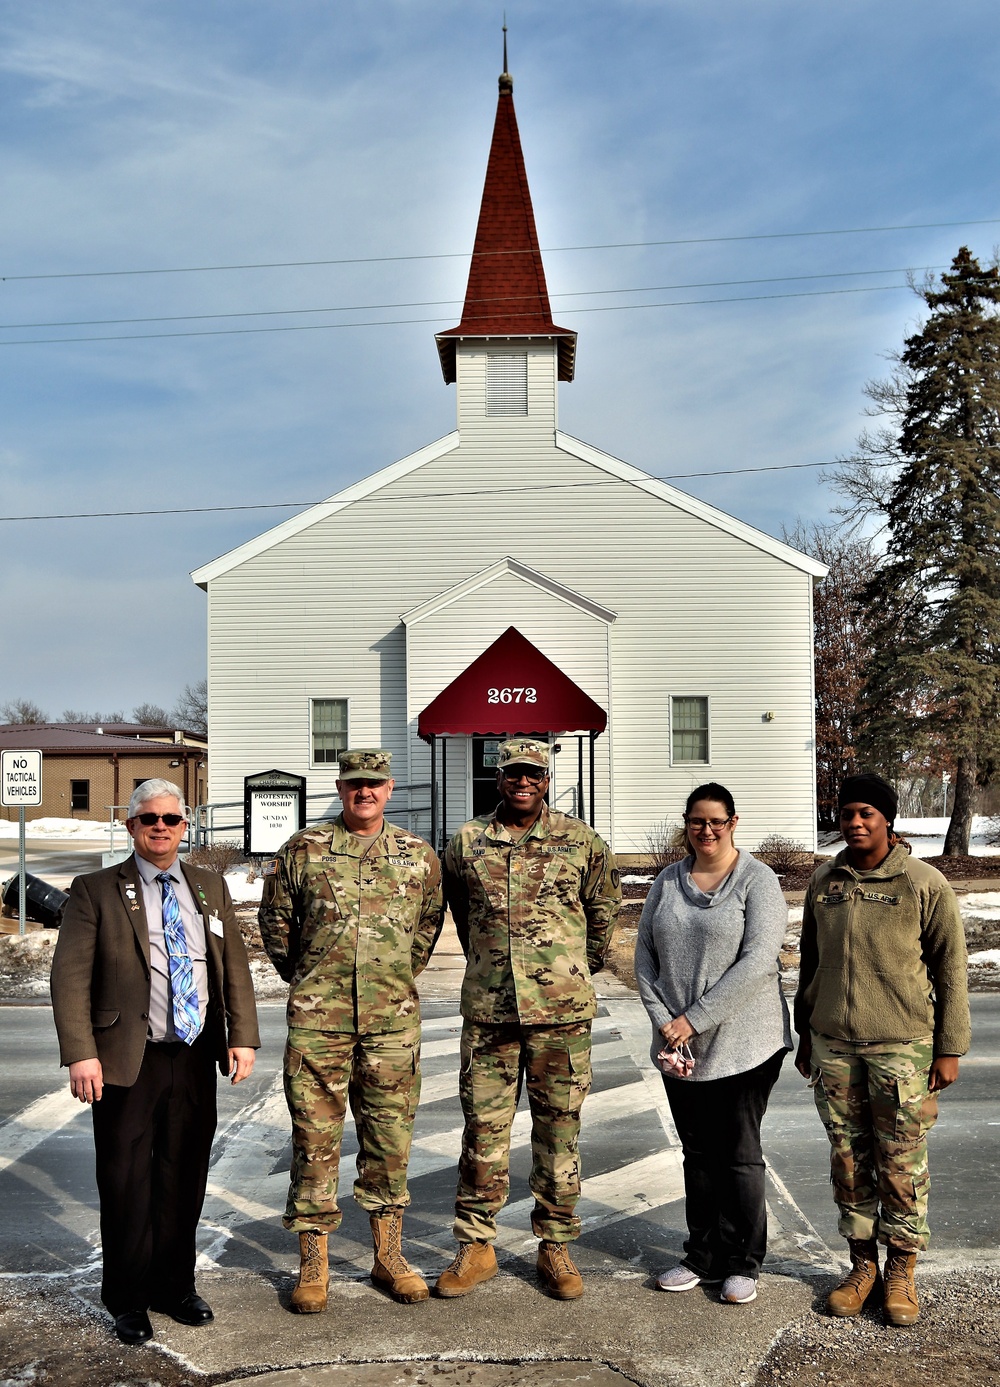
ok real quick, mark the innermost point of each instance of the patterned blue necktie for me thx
(187, 1018)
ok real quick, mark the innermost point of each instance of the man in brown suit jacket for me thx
(150, 987)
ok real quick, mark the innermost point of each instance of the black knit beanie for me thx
(869, 789)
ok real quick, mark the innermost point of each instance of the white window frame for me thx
(327, 698)
(674, 698)
(506, 384)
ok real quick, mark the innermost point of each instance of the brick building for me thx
(88, 767)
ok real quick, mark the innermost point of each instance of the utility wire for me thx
(410, 322)
(436, 495)
(461, 255)
(444, 303)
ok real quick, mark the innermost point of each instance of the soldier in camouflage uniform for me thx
(350, 913)
(534, 895)
(882, 1012)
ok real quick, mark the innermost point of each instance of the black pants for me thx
(718, 1122)
(153, 1142)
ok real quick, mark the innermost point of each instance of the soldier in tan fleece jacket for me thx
(882, 1012)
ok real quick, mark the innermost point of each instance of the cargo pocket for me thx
(916, 1109)
(293, 1062)
(819, 1095)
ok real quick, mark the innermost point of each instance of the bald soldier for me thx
(534, 895)
(350, 914)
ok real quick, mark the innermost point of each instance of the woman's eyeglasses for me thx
(717, 825)
(171, 820)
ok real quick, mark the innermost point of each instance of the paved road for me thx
(632, 1211)
(55, 862)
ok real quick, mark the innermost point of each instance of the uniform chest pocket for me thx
(325, 894)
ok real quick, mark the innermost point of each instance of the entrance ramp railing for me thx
(210, 822)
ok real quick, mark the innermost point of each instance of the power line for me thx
(442, 303)
(435, 495)
(411, 322)
(461, 255)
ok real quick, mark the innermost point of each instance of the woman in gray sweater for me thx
(706, 961)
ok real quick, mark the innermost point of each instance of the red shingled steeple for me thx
(506, 295)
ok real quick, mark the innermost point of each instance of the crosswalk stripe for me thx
(636, 1188)
(26, 1129)
(440, 1150)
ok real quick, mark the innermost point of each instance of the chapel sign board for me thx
(274, 807)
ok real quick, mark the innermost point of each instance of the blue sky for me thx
(152, 136)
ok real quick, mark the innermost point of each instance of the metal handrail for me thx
(203, 827)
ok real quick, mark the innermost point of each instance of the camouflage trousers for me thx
(555, 1064)
(877, 1111)
(380, 1074)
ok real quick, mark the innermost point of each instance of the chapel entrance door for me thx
(485, 751)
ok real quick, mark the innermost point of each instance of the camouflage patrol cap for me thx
(523, 751)
(365, 763)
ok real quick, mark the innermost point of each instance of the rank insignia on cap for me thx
(365, 763)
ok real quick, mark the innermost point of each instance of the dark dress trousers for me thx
(154, 1125)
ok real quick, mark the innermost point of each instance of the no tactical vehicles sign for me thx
(20, 777)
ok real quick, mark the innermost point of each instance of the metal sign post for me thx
(21, 785)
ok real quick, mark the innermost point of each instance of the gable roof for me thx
(313, 514)
(663, 491)
(506, 295)
(499, 570)
(739, 529)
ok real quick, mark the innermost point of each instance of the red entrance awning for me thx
(511, 687)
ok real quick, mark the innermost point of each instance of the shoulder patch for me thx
(270, 868)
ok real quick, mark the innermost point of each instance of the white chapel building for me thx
(657, 642)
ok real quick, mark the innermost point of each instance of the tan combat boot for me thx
(555, 1267)
(392, 1272)
(473, 1264)
(309, 1296)
(901, 1306)
(848, 1299)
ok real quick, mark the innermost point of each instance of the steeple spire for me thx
(506, 81)
(506, 294)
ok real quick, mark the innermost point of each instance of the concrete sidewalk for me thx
(508, 1332)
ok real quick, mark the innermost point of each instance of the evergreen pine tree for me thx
(933, 682)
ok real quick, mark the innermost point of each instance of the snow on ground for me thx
(94, 829)
(985, 905)
(241, 889)
(926, 836)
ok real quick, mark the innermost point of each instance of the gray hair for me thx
(153, 789)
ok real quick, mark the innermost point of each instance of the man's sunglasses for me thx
(533, 773)
(170, 820)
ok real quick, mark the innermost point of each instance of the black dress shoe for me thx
(190, 1309)
(133, 1327)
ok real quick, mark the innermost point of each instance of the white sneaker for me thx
(739, 1290)
(678, 1279)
